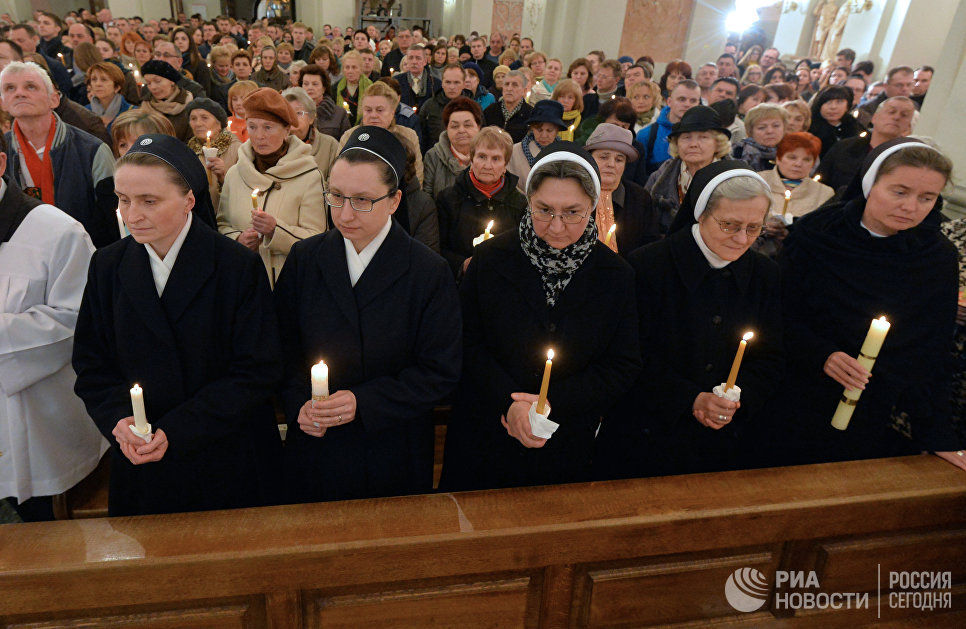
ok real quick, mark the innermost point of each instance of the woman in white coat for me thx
(47, 442)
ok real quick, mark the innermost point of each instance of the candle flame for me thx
(613, 228)
(549, 354)
(788, 194)
(572, 127)
(209, 134)
(863, 134)
(489, 226)
(748, 336)
(883, 319)
(817, 178)
(613, 96)
(855, 114)
(136, 388)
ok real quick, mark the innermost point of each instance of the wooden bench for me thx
(647, 552)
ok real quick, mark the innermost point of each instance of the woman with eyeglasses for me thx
(698, 292)
(548, 283)
(381, 310)
(272, 196)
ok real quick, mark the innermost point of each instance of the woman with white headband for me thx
(549, 284)
(381, 310)
(698, 292)
(877, 252)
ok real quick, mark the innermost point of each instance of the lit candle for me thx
(320, 382)
(817, 178)
(486, 232)
(788, 197)
(863, 134)
(140, 418)
(855, 114)
(121, 227)
(60, 56)
(733, 376)
(255, 199)
(545, 385)
(137, 77)
(572, 127)
(229, 124)
(392, 71)
(345, 105)
(415, 108)
(208, 141)
(867, 355)
(610, 234)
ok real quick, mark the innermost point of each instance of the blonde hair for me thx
(508, 56)
(802, 108)
(762, 111)
(381, 89)
(352, 55)
(241, 89)
(219, 52)
(493, 138)
(654, 88)
(569, 86)
(533, 55)
(722, 146)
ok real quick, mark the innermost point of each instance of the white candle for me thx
(137, 403)
(320, 381)
(867, 356)
(788, 197)
(486, 232)
(255, 199)
(121, 227)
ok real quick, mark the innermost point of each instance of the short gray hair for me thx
(739, 188)
(300, 96)
(19, 67)
(517, 73)
(562, 170)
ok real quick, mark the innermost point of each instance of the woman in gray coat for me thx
(462, 119)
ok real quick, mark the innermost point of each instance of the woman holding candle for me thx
(877, 251)
(482, 193)
(167, 98)
(699, 291)
(547, 284)
(281, 167)
(237, 94)
(209, 126)
(462, 119)
(186, 315)
(381, 310)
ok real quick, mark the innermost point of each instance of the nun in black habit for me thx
(550, 283)
(382, 311)
(186, 314)
(876, 252)
(698, 292)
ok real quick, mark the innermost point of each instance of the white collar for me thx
(874, 234)
(357, 262)
(716, 261)
(161, 269)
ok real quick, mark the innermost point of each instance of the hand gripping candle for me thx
(867, 356)
(320, 382)
(141, 427)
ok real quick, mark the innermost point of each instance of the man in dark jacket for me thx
(478, 53)
(417, 84)
(28, 39)
(511, 112)
(76, 169)
(900, 82)
(393, 60)
(431, 113)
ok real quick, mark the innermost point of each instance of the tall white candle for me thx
(320, 381)
(867, 356)
(137, 403)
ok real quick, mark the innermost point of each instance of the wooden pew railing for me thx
(648, 552)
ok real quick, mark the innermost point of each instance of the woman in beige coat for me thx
(324, 147)
(795, 158)
(276, 174)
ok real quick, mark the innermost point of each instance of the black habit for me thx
(508, 328)
(843, 161)
(206, 355)
(393, 340)
(638, 221)
(692, 317)
(836, 278)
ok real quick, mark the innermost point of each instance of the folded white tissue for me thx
(733, 394)
(540, 426)
(146, 436)
(210, 153)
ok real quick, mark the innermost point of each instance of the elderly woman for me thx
(830, 119)
(697, 140)
(382, 312)
(624, 206)
(462, 119)
(548, 82)
(294, 69)
(499, 73)
(799, 116)
(329, 118)
(166, 98)
(324, 147)
(482, 193)
(547, 283)
(545, 122)
(417, 211)
(272, 197)
(351, 87)
(188, 316)
(698, 292)
(222, 78)
(875, 252)
(104, 84)
(209, 126)
(134, 123)
(269, 74)
(646, 100)
(237, 94)
(765, 126)
(569, 94)
(377, 108)
(796, 156)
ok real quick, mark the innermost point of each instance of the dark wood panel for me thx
(240, 614)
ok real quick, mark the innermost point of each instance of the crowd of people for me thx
(205, 210)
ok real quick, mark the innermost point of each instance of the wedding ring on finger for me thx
(316, 424)
(340, 419)
(722, 417)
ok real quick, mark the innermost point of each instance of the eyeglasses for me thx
(303, 114)
(166, 55)
(753, 230)
(359, 204)
(570, 218)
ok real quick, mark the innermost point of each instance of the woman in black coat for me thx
(623, 204)
(382, 311)
(830, 119)
(482, 193)
(698, 292)
(546, 284)
(186, 314)
(877, 252)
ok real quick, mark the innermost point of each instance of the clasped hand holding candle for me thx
(262, 222)
(517, 420)
(324, 411)
(854, 374)
(133, 434)
(486, 235)
(716, 411)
